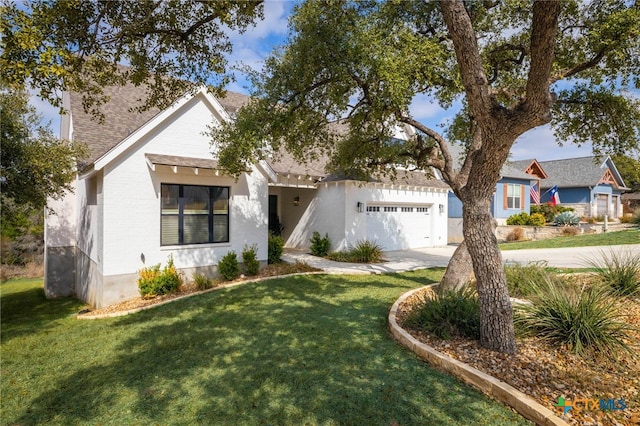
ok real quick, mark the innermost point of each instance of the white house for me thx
(150, 188)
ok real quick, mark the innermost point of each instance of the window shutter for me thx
(522, 203)
(505, 194)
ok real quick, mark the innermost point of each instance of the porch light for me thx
(360, 207)
(441, 208)
(296, 201)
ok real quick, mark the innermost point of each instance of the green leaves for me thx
(59, 45)
(35, 165)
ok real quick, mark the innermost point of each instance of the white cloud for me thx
(541, 144)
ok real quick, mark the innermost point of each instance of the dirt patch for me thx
(546, 373)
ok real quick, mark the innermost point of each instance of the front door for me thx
(274, 220)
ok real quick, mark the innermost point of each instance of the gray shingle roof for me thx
(507, 171)
(574, 172)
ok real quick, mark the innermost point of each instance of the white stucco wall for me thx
(131, 199)
(331, 209)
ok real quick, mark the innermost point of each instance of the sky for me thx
(253, 47)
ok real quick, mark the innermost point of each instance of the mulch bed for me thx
(545, 372)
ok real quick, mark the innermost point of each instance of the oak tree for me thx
(169, 46)
(512, 65)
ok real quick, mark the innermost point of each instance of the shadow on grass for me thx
(24, 311)
(309, 350)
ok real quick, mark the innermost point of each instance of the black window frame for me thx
(211, 220)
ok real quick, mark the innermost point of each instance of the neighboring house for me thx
(512, 196)
(151, 188)
(592, 186)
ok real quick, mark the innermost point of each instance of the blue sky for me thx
(252, 47)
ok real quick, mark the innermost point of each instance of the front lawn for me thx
(297, 350)
(631, 236)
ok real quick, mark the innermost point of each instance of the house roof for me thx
(120, 120)
(531, 167)
(581, 172)
(507, 171)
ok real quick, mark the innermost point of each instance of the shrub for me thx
(320, 246)
(228, 266)
(587, 322)
(446, 314)
(521, 279)
(155, 282)
(366, 252)
(202, 281)
(636, 217)
(521, 219)
(250, 260)
(549, 211)
(537, 219)
(275, 248)
(619, 272)
(566, 219)
(516, 234)
(570, 231)
(340, 256)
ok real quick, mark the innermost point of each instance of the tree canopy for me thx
(35, 165)
(79, 45)
(513, 65)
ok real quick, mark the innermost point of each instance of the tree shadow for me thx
(288, 352)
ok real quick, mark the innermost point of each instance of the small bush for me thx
(516, 234)
(320, 246)
(521, 219)
(549, 211)
(587, 322)
(619, 272)
(340, 256)
(570, 231)
(250, 260)
(566, 219)
(155, 282)
(366, 252)
(275, 248)
(521, 279)
(202, 281)
(636, 217)
(447, 314)
(537, 219)
(228, 267)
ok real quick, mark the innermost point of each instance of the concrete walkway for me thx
(408, 260)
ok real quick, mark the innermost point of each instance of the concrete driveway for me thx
(407, 260)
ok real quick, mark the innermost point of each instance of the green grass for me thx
(296, 350)
(606, 239)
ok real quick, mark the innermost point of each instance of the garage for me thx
(399, 226)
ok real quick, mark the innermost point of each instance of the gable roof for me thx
(581, 172)
(530, 167)
(120, 120)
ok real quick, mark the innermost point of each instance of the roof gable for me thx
(581, 172)
(121, 120)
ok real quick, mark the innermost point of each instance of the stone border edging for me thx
(523, 404)
(88, 315)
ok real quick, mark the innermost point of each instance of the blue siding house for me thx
(592, 186)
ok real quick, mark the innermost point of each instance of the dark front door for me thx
(274, 220)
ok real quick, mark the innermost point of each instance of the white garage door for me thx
(399, 227)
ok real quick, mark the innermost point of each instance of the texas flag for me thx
(555, 197)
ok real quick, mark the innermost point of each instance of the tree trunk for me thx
(496, 314)
(459, 270)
